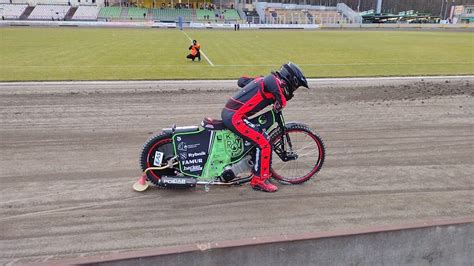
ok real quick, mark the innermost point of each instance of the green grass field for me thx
(126, 54)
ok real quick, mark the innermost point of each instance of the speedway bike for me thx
(211, 154)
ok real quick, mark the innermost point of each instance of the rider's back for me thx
(255, 95)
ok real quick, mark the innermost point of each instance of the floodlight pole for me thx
(379, 7)
(451, 11)
(445, 10)
(441, 11)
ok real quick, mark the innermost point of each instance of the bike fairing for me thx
(205, 153)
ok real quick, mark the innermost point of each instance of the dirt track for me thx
(397, 151)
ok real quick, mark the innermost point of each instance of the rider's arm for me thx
(273, 85)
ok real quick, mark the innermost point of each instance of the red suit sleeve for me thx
(273, 85)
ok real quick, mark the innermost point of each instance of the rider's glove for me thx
(277, 107)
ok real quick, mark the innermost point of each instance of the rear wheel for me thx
(305, 161)
(155, 153)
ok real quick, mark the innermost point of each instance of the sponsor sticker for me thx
(193, 168)
(193, 146)
(158, 158)
(192, 161)
(196, 154)
(234, 146)
(174, 181)
(182, 146)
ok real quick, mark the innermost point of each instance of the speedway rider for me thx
(255, 95)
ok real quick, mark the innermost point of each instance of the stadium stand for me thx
(56, 2)
(463, 14)
(172, 14)
(136, 13)
(201, 14)
(110, 12)
(301, 16)
(326, 17)
(86, 13)
(348, 14)
(49, 12)
(12, 11)
(258, 12)
(252, 16)
(230, 14)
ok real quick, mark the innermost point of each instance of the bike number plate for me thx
(158, 158)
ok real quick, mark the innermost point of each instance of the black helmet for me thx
(293, 77)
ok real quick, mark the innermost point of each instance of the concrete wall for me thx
(422, 244)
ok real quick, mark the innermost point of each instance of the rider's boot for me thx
(263, 184)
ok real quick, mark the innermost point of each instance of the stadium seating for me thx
(12, 11)
(110, 12)
(136, 13)
(325, 17)
(51, 2)
(49, 12)
(172, 14)
(301, 16)
(201, 14)
(230, 14)
(86, 13)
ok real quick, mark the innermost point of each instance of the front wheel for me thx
(303, 160)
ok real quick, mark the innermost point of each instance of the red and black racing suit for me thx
(252, 98)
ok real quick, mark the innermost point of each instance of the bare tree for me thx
(394, 6)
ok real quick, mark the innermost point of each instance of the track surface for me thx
(398, 150)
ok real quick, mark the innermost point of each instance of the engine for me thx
(233, 170)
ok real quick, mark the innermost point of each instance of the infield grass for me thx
(127, 54)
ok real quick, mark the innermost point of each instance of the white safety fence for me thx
(149, 24)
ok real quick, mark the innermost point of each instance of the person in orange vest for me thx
(195, 51)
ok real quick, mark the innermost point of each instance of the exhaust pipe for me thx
(177, 182)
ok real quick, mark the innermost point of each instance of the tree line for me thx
(434, 7)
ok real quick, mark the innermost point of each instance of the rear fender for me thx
(173, 130)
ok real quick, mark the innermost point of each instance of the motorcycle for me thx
(211, 154)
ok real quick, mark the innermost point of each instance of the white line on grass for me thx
(354, 64)
(202, 52)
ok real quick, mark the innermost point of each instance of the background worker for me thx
(195, 51)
